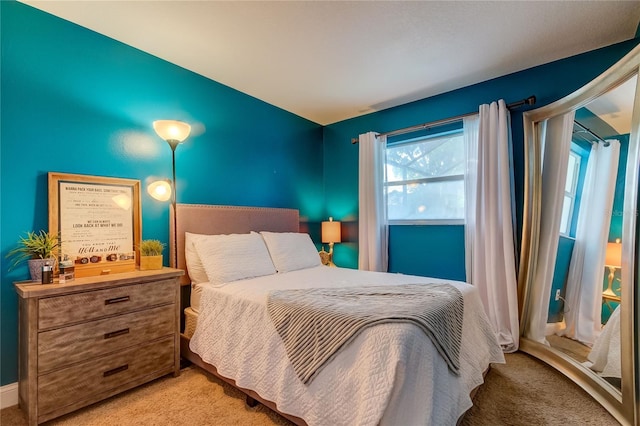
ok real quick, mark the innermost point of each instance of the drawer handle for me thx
(116, 300)
(115, 370)
(116, 333)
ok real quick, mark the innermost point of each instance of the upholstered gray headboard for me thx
(210, 219)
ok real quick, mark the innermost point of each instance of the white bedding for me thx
(604, 357)
(196, 295)
(391, 374)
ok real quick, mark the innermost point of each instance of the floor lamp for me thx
(174, 132)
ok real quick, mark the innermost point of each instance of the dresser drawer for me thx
(85, 381)
(77, 343)
(77, 307)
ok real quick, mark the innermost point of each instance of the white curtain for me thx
(584, 284)
(555, 135)
(490, 255)
(470, 140)
(373, 227)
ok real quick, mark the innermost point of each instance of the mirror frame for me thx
(623, 406)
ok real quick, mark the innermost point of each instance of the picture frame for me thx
(98, 221)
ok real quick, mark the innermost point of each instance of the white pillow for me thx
(233, 257)
(194, 264)
(291, 251)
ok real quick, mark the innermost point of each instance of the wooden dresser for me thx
(92, 338)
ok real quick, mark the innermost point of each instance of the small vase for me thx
(150, 262)
(35, 267)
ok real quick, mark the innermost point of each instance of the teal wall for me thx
(547, 82)
(438, 256)
(74, 101)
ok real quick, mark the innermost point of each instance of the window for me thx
(570, 191)
(425, 179)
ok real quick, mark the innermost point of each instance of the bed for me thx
(604, 357)
(387, 374)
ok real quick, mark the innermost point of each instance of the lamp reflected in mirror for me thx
(613, 261)
(123, 201)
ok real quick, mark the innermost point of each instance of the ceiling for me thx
(616, 106)
(332, 60)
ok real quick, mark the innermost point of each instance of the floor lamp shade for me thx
(172, 130)
(160, 190)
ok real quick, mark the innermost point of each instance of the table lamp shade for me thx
(331, 231)
(614, 255)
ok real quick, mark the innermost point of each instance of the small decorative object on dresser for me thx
(67, 270)
(95, 337)
(38, 248)
(151, 254)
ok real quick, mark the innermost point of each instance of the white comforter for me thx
(604, 357)
(391, 374)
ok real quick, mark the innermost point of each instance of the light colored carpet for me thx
(522, 392)
(571, 347)
(527, 392)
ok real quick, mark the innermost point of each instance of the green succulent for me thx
(41, 245)
(151, 248)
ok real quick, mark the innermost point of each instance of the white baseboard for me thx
(9, 395)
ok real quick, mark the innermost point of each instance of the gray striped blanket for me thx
(315, 323)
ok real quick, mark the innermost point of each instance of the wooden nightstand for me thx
(92, 338)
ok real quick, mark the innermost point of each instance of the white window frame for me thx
(572, 193)
(450, 178)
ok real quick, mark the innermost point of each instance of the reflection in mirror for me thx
(577, 278)
(583, 315)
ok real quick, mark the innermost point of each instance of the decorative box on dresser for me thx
(92, 338)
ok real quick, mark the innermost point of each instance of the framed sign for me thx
(97, 220)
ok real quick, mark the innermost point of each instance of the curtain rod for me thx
(584, 129)
(531, 100)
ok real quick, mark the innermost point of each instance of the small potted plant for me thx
(38, 248)
(151, 254)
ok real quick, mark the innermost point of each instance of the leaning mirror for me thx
(578, 273)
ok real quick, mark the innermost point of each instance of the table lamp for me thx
(613, 260)
(330, 234)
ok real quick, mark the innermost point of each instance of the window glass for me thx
(564, 219)
(425, 178)
(571, 172)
